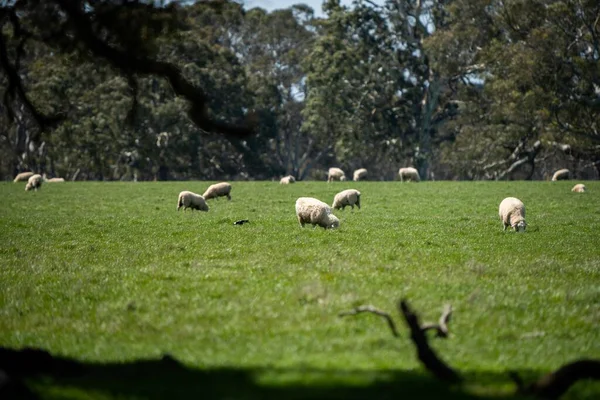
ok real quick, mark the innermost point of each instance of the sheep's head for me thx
(333, 222)
(520, 226)
(343, 178)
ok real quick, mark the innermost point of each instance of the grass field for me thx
(109, 274)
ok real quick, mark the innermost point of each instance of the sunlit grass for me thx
(111, 272)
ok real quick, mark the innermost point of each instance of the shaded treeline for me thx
(459, 89)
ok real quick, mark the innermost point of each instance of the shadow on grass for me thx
(32, 373)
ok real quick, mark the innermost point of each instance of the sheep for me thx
(287, 180)
(561, 175)
(217, 190)
(348, 197)
(191, 200)
(335, 174)
(312, 211)
(512, 213)
(360, 174)
(52, 180)
(23, 176)
(34, 182)
(409, 174)
(579, 188)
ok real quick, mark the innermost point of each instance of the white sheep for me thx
(191, 200)
(360, 174)
(286, 180)
(34, 182)
(335, 174)
(312, 211)
(409, 174)
(52, 180)
(561, 175)
(23, 176)
(579, 188)
(217, 190)
(348, 197)
(512, 213)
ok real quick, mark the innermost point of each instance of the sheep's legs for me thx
(228, 197)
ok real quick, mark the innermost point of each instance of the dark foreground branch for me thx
(556, 383)
(426, 355)
(373, 310)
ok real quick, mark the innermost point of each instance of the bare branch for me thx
(371, 309)
(441, 327)
(426, 355)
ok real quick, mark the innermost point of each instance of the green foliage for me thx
(112, 273)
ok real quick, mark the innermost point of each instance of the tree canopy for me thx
(132, 89)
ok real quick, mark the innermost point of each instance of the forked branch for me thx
(426, 355)
(441, 327)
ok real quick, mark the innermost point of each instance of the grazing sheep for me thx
(34, 182)
(335, 174)
(217, 190)
(312, 211)
(561, 175)
(512, 213)
(579, 188)
(360, 174)
(348, 197)
(52, 180)
(191, 200)
(409, 174)
(23, 176)
(286, 180)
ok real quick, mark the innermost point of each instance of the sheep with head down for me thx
(409, 174)
(217, 190)
(23, 176)
(360, 174)
(579, 188)
(348, 197)
(312, 211)
(34, 182)
(561, 175)
(191, 200)
(335, 174)
(286, 180)
(512, 213)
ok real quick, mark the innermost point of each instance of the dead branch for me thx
(555, 384)
(441, 327)
(371, 309)
(426, 355)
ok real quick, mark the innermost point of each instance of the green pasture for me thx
(112, 276)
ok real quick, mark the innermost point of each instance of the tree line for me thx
(459, 89)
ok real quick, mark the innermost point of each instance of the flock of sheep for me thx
(312, 211)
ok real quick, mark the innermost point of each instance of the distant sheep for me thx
(218, 190)
(360, 174)
(312, 211)
(52, 180)
(286, 180)
(335, 174)
(512, 213)
(23, 177)
(34, 182)
(409, 175)
(561, 175)
(579, 188)
(348, 197)
(191, 200)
